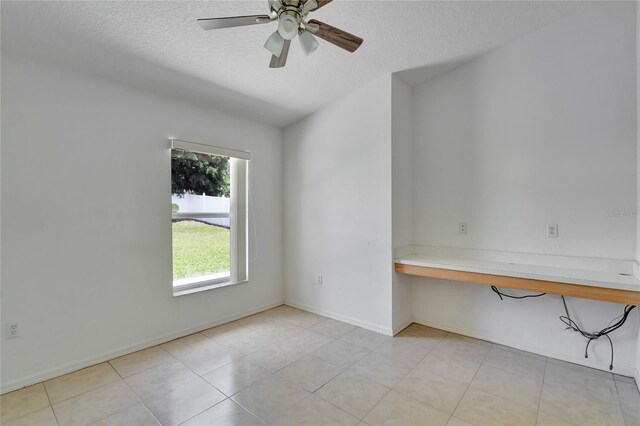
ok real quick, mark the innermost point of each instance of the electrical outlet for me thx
(319, 279)
(552, 231)
(462, 228)
(13, 330)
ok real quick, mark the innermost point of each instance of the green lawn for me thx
(200, 249)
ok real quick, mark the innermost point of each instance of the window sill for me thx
(204, 286)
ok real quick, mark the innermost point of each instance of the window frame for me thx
(238, 217)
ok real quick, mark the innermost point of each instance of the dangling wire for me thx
(500, 294)
(571, 324)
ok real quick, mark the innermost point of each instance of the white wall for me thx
(93, 281)
(337, 208)
(539, 131)
(402, 194)
(638, 175)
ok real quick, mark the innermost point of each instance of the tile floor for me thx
(289, 367)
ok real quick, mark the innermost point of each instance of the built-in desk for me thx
(596, 285)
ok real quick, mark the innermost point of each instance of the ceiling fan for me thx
(292, 21)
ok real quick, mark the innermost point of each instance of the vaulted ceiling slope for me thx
(158, 46)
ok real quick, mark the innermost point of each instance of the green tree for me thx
(195, 173)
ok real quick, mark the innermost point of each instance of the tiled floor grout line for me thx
(140, 401)
(471, 381)
(620, 401)
(345, 369)
(50, 404)
(383, 397)
(413, 368)
(541, 390)
(81, 393)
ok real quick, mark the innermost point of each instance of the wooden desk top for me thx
(596, 285)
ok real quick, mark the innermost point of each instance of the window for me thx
(209, 216)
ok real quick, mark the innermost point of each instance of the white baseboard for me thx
(74, 366)
(637, 377)
(340, 317)
(625, 371)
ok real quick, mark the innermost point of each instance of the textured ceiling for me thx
(157, 45)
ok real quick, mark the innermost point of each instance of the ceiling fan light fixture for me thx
(274, 44)
(288, 27)
(308, 42)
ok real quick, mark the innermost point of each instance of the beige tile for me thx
(277, 330)
(430, 388)
(283, 312)
(253, 320)
(305, 319)
(630, 401)
(189, 344)
(583, 380)
(310, 372)
(246, 342)
(225, 413)
(513, 387)
(578, 408)
(462, 348)
(454, 421)
(397, 409)
(403, 351)
(270, 397)
(95, 405)
(364, 338)
(44, 417)
(452, 368)
(136, 415)
(481, 408)
(517, 363)
(459, 338)
(631, 416)
(243, 340)
(380, 369)
(23, 401)
(229, 330)
(208, 358)
(628, 394)
(340, 353)
(306, 340)
(236, 376)
(421, 335)
(518, 351)
(545, 419)
(278, 355)
(352, 393)
(314, 411)
(333, 328)
(79, 382)
(625, 379)
(185, 401)
(137, 362)
(159, 380)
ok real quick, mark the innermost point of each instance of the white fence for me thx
(191, 203)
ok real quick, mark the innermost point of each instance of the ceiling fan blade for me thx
(232, 21)
(336, 36)
(279, 62)
(321, 3)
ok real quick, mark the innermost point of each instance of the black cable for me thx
(571, 324)
(500, 294)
